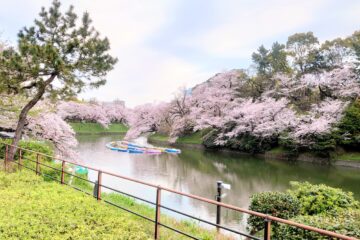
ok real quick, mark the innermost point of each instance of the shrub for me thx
(252, 144)
(349, 126)
(277, 204)
(315, 199)
(36, 146)
(346, 222)
(210, 138)
(320, 144)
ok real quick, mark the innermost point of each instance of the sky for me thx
(166, 45)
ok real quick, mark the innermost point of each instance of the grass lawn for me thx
(349, 156)
(158, 137)
(38, 208)
(194, 138)
(96, 128)
(31, 208)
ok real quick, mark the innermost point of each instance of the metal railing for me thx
(268, 219)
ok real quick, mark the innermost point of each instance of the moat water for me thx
(196, 171)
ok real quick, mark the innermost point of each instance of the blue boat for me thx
(172, 150)
(124, 146)
(133, 150)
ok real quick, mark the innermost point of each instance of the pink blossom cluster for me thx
(341, 82)
(145, 118)
(319, 120)
(211, 102)
(51, 127)
(102, 113)
(218, 104)
(263, 118)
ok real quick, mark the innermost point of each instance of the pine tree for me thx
(56, 57)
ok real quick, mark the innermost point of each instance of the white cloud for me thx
(146, 71)
(147, 75)
(127, 23)
(143, 73)
(241, 27)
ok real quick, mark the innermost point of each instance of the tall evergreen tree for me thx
(278, 59)
(300, 45)
(55, 57)
(261, 60)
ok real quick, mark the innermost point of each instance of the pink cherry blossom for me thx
(51, 127)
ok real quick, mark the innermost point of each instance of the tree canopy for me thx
(57, 57)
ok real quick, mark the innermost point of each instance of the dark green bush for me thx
(346, 222)
(349, 126)
(209, 139)
(321, 145)
(277, 204)
(315, 199)
(252, 144)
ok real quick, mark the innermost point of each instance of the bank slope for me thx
(96, 128)
(31, 208)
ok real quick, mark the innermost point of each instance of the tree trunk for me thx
(23, 114)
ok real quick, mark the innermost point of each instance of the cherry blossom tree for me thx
(220, 104)
(210, 102)
(50, 126)
(338, 83)
(76, 111)
(115, 111)
(320, 120)
(263, 118)
(102, 113)
(146, 118)
(42, 124)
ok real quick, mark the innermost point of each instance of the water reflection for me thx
(196, 171)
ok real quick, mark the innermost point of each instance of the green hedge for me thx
(315, 199)
(277, 204)
(314, 205)
(346, 222)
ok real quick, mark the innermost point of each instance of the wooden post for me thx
(63, 172)
(267, 229)
(20, 159)
(37, 164)
(99, 186)
(6, 156)
(157, 213)
(218, 199)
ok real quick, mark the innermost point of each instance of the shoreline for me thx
(305, 157)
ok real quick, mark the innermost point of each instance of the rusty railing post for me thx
(37, 164)
(62, 172)
(267, 229)
(98, 196)
(157, 212)
(20, 159)
(6, 156)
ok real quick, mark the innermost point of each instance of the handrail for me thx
(157, 222)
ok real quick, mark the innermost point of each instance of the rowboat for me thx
(125, 146)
